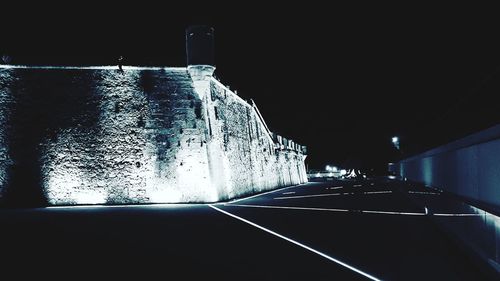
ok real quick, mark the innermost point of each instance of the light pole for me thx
(395, 142)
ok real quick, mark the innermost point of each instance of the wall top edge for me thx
(483, 136)
(95, 67)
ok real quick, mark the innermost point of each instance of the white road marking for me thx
(289, 208)
(334, 187)
(422, 192)
(357, 185)
(325, 209)
(377, 192)
(393, 213)
(296, 243)
(329, 194)
(260, 194)
(308, 196)
(291, 192)
(457, 215)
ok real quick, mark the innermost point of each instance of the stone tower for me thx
(200, 54)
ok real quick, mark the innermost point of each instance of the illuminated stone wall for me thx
(256, 162)
(96, 135)
(6, 81)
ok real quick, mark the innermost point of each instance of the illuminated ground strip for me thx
(97, 206)
(296, 243)
(334, 187)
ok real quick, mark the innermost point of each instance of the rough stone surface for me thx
(145, 135)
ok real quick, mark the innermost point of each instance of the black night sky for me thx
(341, 80)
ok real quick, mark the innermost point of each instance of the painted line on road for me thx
(393, 213)
(325, 209)
(290, 192)
(308, 196)
(261, 194)
(296, 243)
(331, 194)
(357, 185)
(458, 215)
(335, 187)
(378, 192)
(288, 208)
(423, 192)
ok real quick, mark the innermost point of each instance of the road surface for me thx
(336, 230)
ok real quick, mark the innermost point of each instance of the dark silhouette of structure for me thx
(120, 63)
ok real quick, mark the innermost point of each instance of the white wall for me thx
(245, 148)
(469, 167)
(141, 136)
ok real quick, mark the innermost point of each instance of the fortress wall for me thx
(88, 136)
(249, 150)
(96, 135)
(147, 142)
(6, 81)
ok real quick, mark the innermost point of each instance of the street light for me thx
(329, 168)
(395, 141)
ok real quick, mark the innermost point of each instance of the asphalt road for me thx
(337, 230)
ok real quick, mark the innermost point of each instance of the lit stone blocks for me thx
(96, 135)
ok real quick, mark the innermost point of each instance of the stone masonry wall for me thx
(256, 163)
(96, 135)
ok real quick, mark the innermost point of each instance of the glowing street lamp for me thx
(329, 168)
(395, 142)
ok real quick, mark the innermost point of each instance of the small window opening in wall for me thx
(216, 113)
